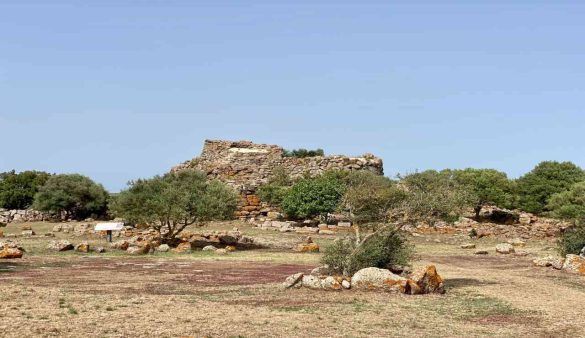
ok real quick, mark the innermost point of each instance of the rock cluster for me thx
(246, 166)
(9, 216)
(308, 227)
(422, 281)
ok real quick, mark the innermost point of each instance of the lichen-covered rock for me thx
(380, 279)
(505, 248)
(321, 271)
(311, 282)
(62, 245)
(184, 247)
(120, 245)
(517, 242)
(331, 283)
(574, 264)
(307, 247)
(28, 233)
(555, 262)
(428, 280)
(293, 281)
(10, 253)
(82, 247)
(138, 250)
(209, 248)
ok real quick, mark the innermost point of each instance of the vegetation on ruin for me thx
(278, 185)
(174, 201)
(76, 195)
(17, 190)
(302, 153)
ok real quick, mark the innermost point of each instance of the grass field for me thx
(238, 295)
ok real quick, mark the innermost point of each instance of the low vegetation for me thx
(302, 153)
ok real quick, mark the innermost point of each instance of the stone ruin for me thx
(246, 166)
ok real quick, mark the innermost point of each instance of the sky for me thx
(120, 89)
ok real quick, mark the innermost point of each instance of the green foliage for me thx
(382, 250)
(572, 240)
(302, 153)
(546, 179)
(317, 196)
(485, 186)
(570, 204)
(171, 202)
(17, 190)
(77, 195)
(435, 195)
(275, 190)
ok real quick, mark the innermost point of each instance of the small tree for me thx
(485, 186)
(76, 195)
(546, 179)
(17, 190)
(174, 201)
(317, 196)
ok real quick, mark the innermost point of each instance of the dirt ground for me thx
(204, 295)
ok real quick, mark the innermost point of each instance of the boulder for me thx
(330, 283)
(138, 250)
(555, 262)
(99, 249)
(311, 282)
(10, 253)
(25, 227)
(62, 245)
(28, 233)
(574, 264)
(120, 245)
(517, 242)
(209, 248)
(163, 248)
(468, 246)
(428, 281)
(221, 252)
(275, 216)
(228, 239)
(230, 248)
(321, 271)
(481, 252)
(82, 247)
(307, 247)
(524, 219)
(345, 284)
(505, 248)
(375, 278)
(293, 281)
(184, 247)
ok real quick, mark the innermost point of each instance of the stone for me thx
(99, 249)
(221, 252)
(138, 250)
(307, 247)
(293, 281)
(120, 245)
(10, 253)
(183, 247)
(326, 232)
(228, 239)
(209, 248)
(163, 248)
(428, 280)
(28, 233)
(230, 248)
(517, 242)
(330, 283)
(555, 262)
(344, 224)
(525, 219)
(25, 227)
(505, 248)
(346, 284)
(381, 279)
(481, 252)
(582, 252)
(62, 245)
(574, 264)
(311, 282)
(468, 246)
(57, 228)
(307, 230)
(82, 247)
(275, 216)
(321, 271)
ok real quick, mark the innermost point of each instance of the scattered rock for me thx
(375, 278)
(209, 248)
(555, 262)
(293, 281)
(307, 230)
(99, 249)
(28, 233)
(230, 248)
(574, 264)
(25, 227)
(82, 247)
(517, 242)
(62, 245)
(221, 251)
(10, 253)
(138, 250)
(468, 246)
(311, 282)
(505, 248)
(321, 271)
(330, 283)
(481, 252)
(521, 253)
(344, 224)
(163, 248)
(184, 247)
(310, 247)
(346, 284)
(120, 245)
(57, 228)
(428, 281)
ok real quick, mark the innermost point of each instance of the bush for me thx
(302, 153)
(569, 205)
(17, 191)
(174, 201)
(74, 194)
(311, 197)
(382, 250)
(485, 186)
(275, 190)
(546, 179)
(572, 240)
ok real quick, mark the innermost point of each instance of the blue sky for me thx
(118, 90)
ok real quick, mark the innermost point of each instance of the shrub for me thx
(17, 190)
(546, 179)
(569, 205)
(76, 195)
(174, 201)
(317, 196)
(302, 153)
(275, 190)
(382, 250)
(485, 186)
(572, 240)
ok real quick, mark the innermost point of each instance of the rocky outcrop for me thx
(246, 166)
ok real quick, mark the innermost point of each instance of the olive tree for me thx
(485, 186)
(174, 201)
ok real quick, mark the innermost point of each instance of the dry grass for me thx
(201, 294)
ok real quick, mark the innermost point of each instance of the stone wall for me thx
(9, 216)
(246, 166)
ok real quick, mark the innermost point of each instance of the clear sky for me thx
(120, 89)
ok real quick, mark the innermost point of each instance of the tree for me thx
(434, 195)
(569, 205)
(174, 201)
(76, 195)
(546, 179)
(17, 190)
(314, 196)
(485, 186)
